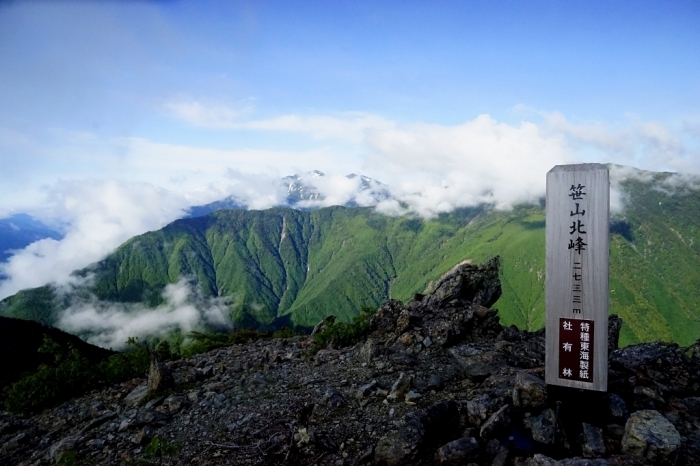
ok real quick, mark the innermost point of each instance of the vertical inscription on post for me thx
(576, 284)
(576, 353)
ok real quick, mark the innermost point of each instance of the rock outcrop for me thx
(437, 380)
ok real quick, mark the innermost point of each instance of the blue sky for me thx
(116, 115)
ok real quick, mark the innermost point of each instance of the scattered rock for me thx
(144, 436)
(618, 408)
(136, 395)
(542, 427)
(474, 394)
(459, 451)
(498, 422)
(400, 447)
(593, 445)
(477, 360)
(365, 390)
(400, 387)
(412, 397)
(67, 443)
(434, 382)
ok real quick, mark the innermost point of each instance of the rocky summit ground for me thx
(437, 381)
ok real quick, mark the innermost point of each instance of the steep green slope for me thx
(655, 264)
(283, 266)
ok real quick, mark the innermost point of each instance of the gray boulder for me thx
(650, 435)
(543, 427)
(460, 451)
(477, 284)
(477, 361)
(530, 392)
(593, 444)
(136, 395)
(400, 447)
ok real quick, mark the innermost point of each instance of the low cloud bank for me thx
(109, 325)
(101, 215)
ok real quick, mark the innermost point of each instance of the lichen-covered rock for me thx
(650, 435)
(530, 392)
(618, 408)
(481, 407)
(665, 363)
(324, 324)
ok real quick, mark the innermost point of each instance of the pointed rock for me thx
(159, 375)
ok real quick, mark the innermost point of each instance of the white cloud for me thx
(349, 126)
(444, 167)
(648, 145)
(256, 191)
(201, 165)
(101, 216)
(207, 116)
(109, 324)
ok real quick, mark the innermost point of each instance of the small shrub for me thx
(342, 334)
(285, 332)
(203, 342)
(71, 375)
(160, 448)
(163, 350)
(131, 363)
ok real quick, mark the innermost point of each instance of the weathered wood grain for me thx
(562, 295)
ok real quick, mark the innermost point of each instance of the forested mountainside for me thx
(289, 267)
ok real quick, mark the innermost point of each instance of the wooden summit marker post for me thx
(576, 276)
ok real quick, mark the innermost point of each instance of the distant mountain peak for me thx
(302, 188)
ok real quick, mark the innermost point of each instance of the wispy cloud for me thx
(101, 216)
(645, 144)
(206, 116)
(109, 324)
(348, 126)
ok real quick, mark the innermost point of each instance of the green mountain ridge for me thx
(288, 267)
